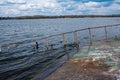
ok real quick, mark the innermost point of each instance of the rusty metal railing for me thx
(64, 43)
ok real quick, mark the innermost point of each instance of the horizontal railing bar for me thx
(104, 26)
(78, 31)
(34, 40)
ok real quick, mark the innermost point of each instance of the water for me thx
(17, 30)
(20, 61)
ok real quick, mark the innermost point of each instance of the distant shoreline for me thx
(61, 16)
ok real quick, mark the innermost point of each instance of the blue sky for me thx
(58, 7)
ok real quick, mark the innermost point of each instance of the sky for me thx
(58, 7)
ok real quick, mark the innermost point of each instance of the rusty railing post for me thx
(90, 34)
(76, 39)
(65, 47)
(64, 40)
(106, 34)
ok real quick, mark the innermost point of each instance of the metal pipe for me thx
(106, 34)
(64, 39)
(76, 39)
(90, 35)
(65, 47)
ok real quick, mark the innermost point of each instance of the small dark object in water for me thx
(61, 41)
(52, 46)
(71, 45)
(116, 38)
(93, 35)
(86, 38)
(36, 45)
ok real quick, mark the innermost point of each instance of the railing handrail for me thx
(34, 40)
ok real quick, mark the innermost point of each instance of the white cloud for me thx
(98, 8)
(69, 7)
(52, 7)
(44, 3)
(24, 7)
(8, 12)
(117, 1)
(1, 2)
(92, 4)
(104, 10)
(15, 11)
(31, 7)
(89, 5)
(114, 7)
(16, 1)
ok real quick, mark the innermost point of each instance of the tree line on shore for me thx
(61, 16)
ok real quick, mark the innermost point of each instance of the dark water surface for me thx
(19, 61)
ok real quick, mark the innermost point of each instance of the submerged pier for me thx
(90, 53)
(96, 61)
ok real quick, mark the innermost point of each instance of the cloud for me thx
(117, 1)
(43, 5)
(1, 2)
(9, 12)
(99, 8)
(24, 7)
(104, 9)
(114, 7)
(92, 4)
(16, 1)
(58, 7)
(12, 11)
(89, 6)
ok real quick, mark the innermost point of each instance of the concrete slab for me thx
(98, 61)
